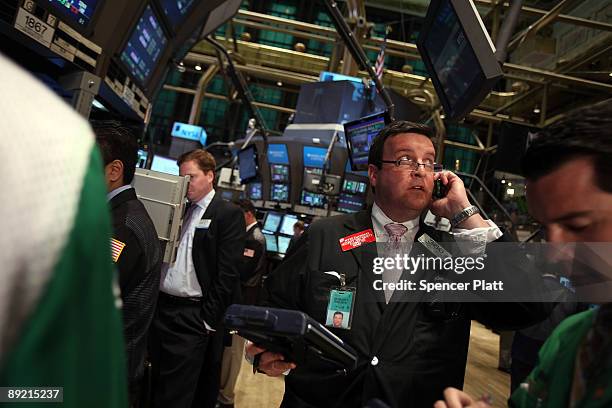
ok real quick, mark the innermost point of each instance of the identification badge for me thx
(203, 224)
(340, 308)
(356, 240)
(433, 247)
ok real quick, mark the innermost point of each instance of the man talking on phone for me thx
(407, 351)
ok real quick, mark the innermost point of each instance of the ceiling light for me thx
(198, 67)
(611, 74)
(509, 184)
(503, 181)
(510, 191)
(181, 63)
(536, 110)
(279, 83)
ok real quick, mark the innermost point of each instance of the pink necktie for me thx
(396, 232)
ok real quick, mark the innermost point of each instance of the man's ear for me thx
(114, 171)
(372, 174)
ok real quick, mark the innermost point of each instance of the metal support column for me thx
(196, 105)
(85, 86)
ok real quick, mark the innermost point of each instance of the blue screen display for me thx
(247, 164)
(144, 48)
(77, 11)
(272, 221)
(176, 10)
(164, 165)
(314, 156)
(254, 191)
(283, 244)
(312, 199)
(350, 203)
(277, 154)
(287, 224)
(271, 245)
(279, 192)
(186, 131)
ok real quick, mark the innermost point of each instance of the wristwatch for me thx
(464, 215)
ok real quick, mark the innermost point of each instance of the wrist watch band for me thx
(464, 215)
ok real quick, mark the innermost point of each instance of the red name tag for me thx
(356, 240)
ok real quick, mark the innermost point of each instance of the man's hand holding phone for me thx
(454, 201)
(273, 364)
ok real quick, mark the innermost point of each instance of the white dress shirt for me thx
(179, 278)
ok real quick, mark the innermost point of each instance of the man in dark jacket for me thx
(408, 351)
(135, 247)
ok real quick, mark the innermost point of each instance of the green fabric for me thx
(551, 380)
(74, 337)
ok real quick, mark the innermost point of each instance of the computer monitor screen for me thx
(77, 13)
(176, 10)
(283, 244)
(271, 245)
(277, 154)
(272, 221)
(354, 187)
(314, 156)
(247, 164)
(350, 203)
(142, 158)
(279, 192)
(459, 55)
(227, 195)
(312, 199)
(286, 226)
(279, 173)
(186, 131)
(165, 165)
(359, 135)
(144, 47)
(254, 191)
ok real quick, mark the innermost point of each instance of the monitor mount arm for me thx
(357, 53)
(503, 39)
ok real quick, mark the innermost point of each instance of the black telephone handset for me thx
(439, 190)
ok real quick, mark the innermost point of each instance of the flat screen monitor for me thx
(272, 221)
(314, 156)
(286, 226)
(354, 187)
(279, 173)
(312, 199)
(459, 55)
(271, 245)
(76, 13)
(165, 165)
(247, 164)
(254, 191)
(176, 11)
(277, 154)
(227, 195)
(279, 192)
(359, 135)
(283, 244)
(187, 131)
(142, 158)
(144, 47)
(349, 203)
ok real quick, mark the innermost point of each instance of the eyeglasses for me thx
(409, 164)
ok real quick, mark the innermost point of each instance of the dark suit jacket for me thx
(253, 265)
(408, 351)
(217, 253)
(139, 272)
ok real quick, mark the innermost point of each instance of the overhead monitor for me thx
(142, 158)
(254, 191)
(459, 55)
(279, 173)
(325, 76)
(164, 165)
(348, 169)
(354, 187)
(348, 203)
(271, 245)
(187, 131)
(144, 47)
(312, 199)
(279, 192)
(247, 164)
(78, 14)
(272, 221)
(283, 244)
(286, 226)
(314, 156)
(359, 136)
(277, 154)
(176, 11)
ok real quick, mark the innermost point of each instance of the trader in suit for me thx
(252, 268)
(407, 351)
(187, 333)
(135, 247)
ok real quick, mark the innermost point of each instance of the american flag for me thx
(116, 249)
(380, 60)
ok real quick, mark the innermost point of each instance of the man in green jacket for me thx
(569, 191)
